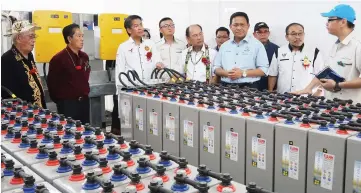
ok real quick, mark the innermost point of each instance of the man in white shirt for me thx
(344, 58)
(170, 48)
(295, 63)
(197, 60)
(136, 53)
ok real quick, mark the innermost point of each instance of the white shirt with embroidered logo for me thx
(196, 70)
(171, 53)
(345, 59)
(134, 57)
(290, 69)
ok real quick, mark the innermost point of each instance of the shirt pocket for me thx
(228, 60)
(284, 65)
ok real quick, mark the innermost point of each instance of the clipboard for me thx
(328, 73)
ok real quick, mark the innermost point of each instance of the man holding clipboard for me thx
(342, 76)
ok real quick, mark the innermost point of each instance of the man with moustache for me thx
(68, 78)
(243, 60)
(293, 65)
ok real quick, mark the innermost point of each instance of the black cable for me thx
(44, 70)
(178, 73)
(153, 72)
(168, 72)
(8, 91)
(120, 78)
(135, 74)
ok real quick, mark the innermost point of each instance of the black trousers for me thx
(115, 117)
(76, 109)
(241, 85)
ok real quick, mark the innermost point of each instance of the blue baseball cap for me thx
(342, 11)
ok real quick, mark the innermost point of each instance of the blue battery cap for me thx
(9, 136)
(359, 135)
(8, 172)
(41, 156)
(66, 150)
(211, 107)
(88, 146)
(259, 117)
(331, 125)
(165, 163)
(143, 170)
(91, 186)
(89, 163)
(108, 141)
(64, 169)
(233, 112)
(173, 100)
(118, 178)
(134, 151)
(190, 103)
(287, 122)
(180, 187)
(323, 128)
(46, 140)
(114, 156)
(203, 178)
(24, 145)
(68, 136)
(28, 189)
(142, 93)
(51, 129)
(156, 96)
(31, 132)
(88, 132)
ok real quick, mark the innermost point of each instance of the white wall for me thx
(209, 13)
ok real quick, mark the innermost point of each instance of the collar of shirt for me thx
(131, 40)
(203, 49)
(162, 41)
(216, 48)
(245, 39)
(19, 56)
(74, 55)
(347, 39)
(291, 49)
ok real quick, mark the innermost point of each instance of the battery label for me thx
(259, 153)
(208, 139)
(188, 133)
(323, 170)
(125, 112)
(290, 161)
(153, 122)
(356, 182)
(139, 119)
(232, 145)
(170, 128)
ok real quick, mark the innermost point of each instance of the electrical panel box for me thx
(50, 39)
(112, 34)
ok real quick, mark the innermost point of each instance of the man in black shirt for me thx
(18, 70)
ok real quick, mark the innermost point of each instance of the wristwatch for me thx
(244, 74)
(337, 87)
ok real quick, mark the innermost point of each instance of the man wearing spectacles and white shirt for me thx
(295, 63)
(170, 48)
(344, 58)
(134, 54)
(197, 60)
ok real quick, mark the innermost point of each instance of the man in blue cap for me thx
(345, 57)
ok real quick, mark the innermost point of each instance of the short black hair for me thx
(239, 14)
(292, 24)
(128, 21)
(187, 30)
(350, 25)
(164, 19)
(145, 30)
(69, 30)
(222, 29)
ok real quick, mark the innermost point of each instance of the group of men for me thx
(246, 60)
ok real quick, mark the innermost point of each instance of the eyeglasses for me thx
(333, 19)
(168, 26)
(297, 34)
